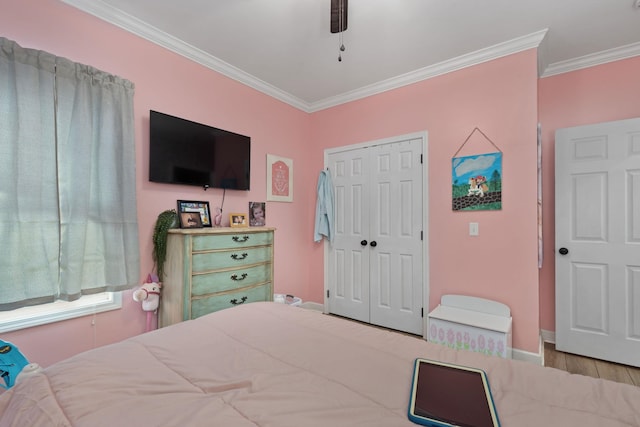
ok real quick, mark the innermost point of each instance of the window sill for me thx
(28, 317)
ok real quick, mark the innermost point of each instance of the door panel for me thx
(633, 298)
(589, 290)
(590, 195)
(349, 260)
(396, 225)
(378, 198)
(597, 220)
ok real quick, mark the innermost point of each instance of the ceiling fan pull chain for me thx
(341, 12)
(338, 22)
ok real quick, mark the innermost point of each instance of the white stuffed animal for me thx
(149, 294)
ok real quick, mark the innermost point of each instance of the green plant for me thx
(166, 220)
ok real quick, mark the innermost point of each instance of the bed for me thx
(270, 364)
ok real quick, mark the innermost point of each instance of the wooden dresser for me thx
(209, 269)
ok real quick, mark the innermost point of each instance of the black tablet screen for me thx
(455, 396)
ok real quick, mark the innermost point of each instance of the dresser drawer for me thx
(206, 305)
(207, 261)
(219, 281)
(224, 241)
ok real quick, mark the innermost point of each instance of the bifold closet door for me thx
(395, 225)
(349, 253)
(375, 262)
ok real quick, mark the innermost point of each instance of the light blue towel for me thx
(324, 208)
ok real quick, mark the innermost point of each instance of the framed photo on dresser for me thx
(190, 206)
(238, 219)
(190, 220)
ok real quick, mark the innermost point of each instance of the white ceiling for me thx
(285, 48)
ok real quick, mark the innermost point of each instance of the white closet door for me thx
(375, 264)
(395, 227)
(348, 256)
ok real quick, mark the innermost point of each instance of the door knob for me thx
(363, 243)
(563, 251)
(373, 244)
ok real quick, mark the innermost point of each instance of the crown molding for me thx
(599, 58)
(142, 29)
(129, 23)
(535, 40)
(468, 60)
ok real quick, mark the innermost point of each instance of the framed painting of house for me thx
(477, 182)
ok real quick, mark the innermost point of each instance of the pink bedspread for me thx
(268, 364)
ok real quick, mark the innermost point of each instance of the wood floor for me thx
(590, 367)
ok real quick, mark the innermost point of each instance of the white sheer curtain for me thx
(67, 175)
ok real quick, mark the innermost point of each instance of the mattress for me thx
(268, 364)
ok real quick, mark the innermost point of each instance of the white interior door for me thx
(598, 241)
(375, 264)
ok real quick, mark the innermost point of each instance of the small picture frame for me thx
(201, 208)
(190, 220)
(237, 219)
(257, 214)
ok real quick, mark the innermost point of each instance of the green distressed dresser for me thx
(210, 269)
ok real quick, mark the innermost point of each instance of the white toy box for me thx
(471, 323)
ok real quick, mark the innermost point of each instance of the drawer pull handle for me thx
(240, 257)
(235, 301)
(240, 239)
(235, 277)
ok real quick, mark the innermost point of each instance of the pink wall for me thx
(593, 95)
(170, 83)
(500, 98)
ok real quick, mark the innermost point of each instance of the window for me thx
(67, 166)
(37, 315)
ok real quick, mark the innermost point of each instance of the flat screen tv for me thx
(190, 153)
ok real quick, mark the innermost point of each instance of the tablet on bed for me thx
(443, 394)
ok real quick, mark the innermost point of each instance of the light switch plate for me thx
(474, 229)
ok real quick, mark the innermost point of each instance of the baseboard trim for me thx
(310, 305)
(548, 336)
(527, 356)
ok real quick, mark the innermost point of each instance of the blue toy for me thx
(11, 363)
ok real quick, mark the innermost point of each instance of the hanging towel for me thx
(324, 208)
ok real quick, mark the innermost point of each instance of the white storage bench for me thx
(471, 323)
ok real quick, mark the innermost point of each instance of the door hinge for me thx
(421, 235)
(421, 158)
(422, 312)
(327, 293)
